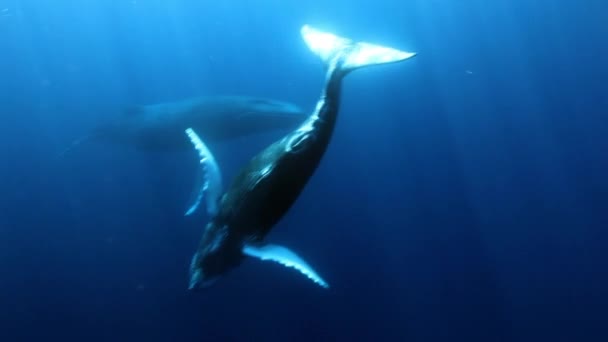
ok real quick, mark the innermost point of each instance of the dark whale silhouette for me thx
(270, 183)
(216, 118)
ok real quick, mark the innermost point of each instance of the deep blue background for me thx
(463, 198)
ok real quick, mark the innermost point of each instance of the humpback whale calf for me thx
(216, 118)
(268, 185)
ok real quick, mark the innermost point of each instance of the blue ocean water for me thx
(463, 197)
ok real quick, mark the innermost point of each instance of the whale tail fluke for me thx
(353, 54)
(209, 180)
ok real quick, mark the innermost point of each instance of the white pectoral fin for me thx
(209, 183)
(285, 257)
(198, 192)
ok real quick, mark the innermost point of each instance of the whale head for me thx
(198, 278)
(217, 254)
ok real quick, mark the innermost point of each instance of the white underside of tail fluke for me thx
(210, 184)
(285, 257)
(356, 54)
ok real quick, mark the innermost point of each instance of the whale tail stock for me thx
(353, 55)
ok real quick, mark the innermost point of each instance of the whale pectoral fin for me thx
(356, 54)
(198, 191)
(209, 184)
(285, 257)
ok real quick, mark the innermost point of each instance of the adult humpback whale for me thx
(269, 184)
(161, 126)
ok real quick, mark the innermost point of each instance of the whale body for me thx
(266, 187)
(216, 118)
